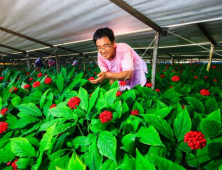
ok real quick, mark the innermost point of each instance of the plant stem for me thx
(79, 129)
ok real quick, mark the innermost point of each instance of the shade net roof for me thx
(71, 24)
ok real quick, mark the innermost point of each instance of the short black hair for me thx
(103, 32)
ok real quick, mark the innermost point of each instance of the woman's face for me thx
(106, 48)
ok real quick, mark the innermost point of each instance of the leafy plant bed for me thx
(52, 121)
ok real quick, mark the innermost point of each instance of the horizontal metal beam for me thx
(37, 41)
(139, 16)
(5, 46)
(207, 34)
(25, 37)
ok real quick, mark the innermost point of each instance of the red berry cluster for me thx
(39, 75)
(13, 90)
(205, 92)
(183, 106)
(73, 102)
(106, 116)
(214, 67)
(48, 80)
(195, 77)
(1, 78)
(37, 69)
(157, 90)
(195, 140)
(3, 111)
(3, 127)
(13, 164)
(215, 80)
(36, 84)
(91, 78)
(27, 86)
(27, 74)
(149, 84)
(52, 106)
(134, 112)
(162, 75)
(118, 93)
(30, 79)
(122, 83)
(175, 78)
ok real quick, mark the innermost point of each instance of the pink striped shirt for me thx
(126, 59)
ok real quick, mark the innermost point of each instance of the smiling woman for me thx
(118, 61)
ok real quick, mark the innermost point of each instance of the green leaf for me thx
(60, 142)
(191, 160)
(108, 165)
(117, 106)
(15, 101)
(75, 163)
(160, 105)
(210, 128)
(142, 163)
(101, 104)
(22, 147)
(139, 107)
(211, 105)
(184, 147)
(93, 98)
(125, 108)
(57, 121)
(129, 97)
(128, 142)
(182, 125)
(96, 159)
(6, 156)
(114, 85)
(128, 163)
(170, 94)
(35, 127)
(83, 95)
(43, 98)
(163, 163)
(98, 126)
(216, 116)
(0, 102)
(76, 80)
(60, 82)
(160, 124)
(47, 138)
(196, 104)
(214, 164)
(63, 73)
(23, 121)
(71, 73)
(158, 151)
(186, 89)
(63, 127)
(107, 145)
(163, 112)
(57, 154)
(149, 136)
(63, 111)
(29, 109)
(110, 96)
(24, 163)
